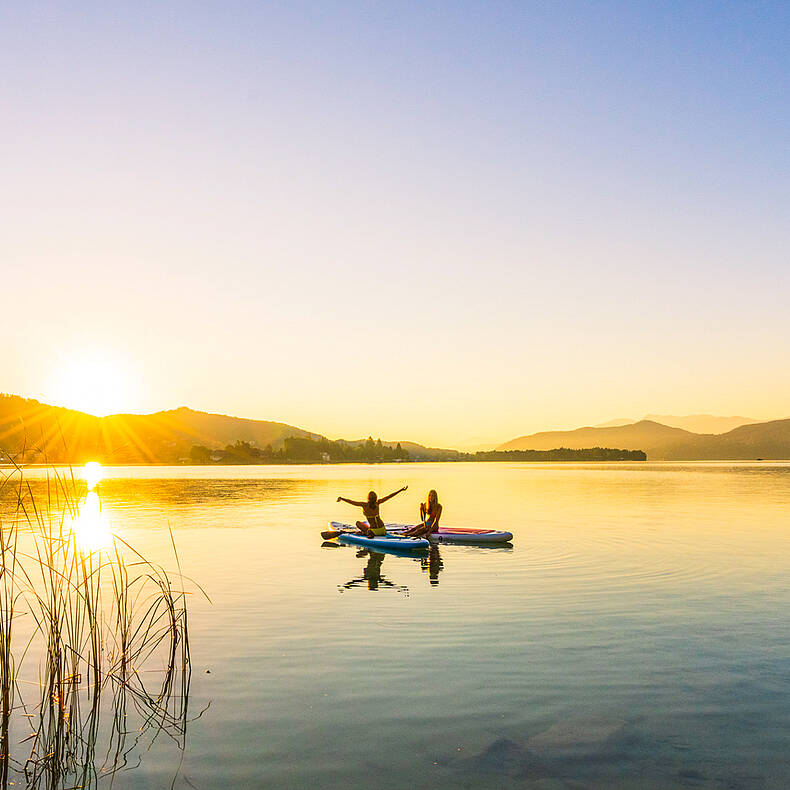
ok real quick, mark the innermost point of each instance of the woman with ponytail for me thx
(370, 509)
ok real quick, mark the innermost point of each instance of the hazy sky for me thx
(447, 222)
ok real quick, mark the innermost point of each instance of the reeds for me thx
(110, 629)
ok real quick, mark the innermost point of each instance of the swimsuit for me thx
(382, 530)
(431, 521)
(375, 523)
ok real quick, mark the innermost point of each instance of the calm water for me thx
(634, 636)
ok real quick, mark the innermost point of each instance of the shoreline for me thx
(625, 462)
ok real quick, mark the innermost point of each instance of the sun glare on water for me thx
(93, 474)
(90, 527)
(91, 530)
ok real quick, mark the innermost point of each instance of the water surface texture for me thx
(634, 635)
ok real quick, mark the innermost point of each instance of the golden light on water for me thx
(93, 474)
(90, 527)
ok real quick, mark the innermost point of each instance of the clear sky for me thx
(446, 222)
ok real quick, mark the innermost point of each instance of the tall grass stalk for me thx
(99, 620)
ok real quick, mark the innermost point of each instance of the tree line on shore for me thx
(302, 450)
(561, 454)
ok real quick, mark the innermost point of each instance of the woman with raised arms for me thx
(370, 509)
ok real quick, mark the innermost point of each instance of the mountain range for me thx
(767, 440)
(36, 432)
(59, 435)
(696, 423)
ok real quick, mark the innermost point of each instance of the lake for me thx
(634, 635)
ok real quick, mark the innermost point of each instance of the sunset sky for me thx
(446, 222)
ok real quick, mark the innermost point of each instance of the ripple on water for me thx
(607, 561)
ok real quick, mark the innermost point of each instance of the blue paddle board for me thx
(380, 541)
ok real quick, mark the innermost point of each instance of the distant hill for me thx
(702, 423)
(36, 432)
(58, 435)
(696, 423)
(643, 435)
(767, 440)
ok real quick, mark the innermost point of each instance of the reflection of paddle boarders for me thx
(372, 576)
(372, 571)
(370, 509)
(432, 564)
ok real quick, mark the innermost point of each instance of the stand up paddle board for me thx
(378, 541)
(458, 534)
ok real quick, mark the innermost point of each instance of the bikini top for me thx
(371, 512)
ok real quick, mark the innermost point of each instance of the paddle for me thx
(334, 533)
(330, 534)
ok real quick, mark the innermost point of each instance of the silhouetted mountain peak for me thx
(767, 440)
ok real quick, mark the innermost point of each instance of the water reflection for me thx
(90, 528)
(86, 522)
(145, 499)
(648, 596)
(372, 577)
(92, 474)
(433, 565)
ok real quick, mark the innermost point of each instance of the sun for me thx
(92, 381)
